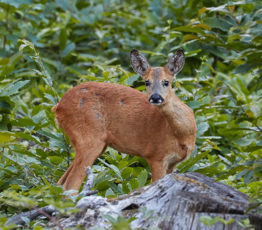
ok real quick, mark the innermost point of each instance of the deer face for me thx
(158, 80)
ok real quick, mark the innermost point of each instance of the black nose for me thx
(156, 99)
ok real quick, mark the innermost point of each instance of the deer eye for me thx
(147, 82)
(165, 83)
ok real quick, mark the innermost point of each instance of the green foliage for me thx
(121, 175)
(120, 223)
(209, 221)
(47, 47)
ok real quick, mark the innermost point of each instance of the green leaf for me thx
(67, 5)
(142, 178)
(13, 88)
(62, 39)
(192, 161)
(28, 136)
(109, 193)
(6, 137)
(9, 68)
(190, 28)
(109, 218)
(15, 3)
(6, 104)
(24, 122)
(126, 173)
(68, 49)
(209, 221)
(37, 227)
(134, 183)
(56, 160)
(101, 186)
(217, 22)
(202, 128)
(227, 222)
(116, 188)
(113, 167)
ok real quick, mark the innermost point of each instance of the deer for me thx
(155, 125)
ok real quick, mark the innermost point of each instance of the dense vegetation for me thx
(47, 47)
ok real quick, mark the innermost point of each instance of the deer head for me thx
(158, 80)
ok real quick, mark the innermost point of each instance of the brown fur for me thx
(96, 115)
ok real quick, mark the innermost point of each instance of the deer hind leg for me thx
(63, 178)
(86, 154)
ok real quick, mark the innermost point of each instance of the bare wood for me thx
(157, 125)
(175, 202)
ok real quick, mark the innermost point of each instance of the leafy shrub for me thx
(50, 46)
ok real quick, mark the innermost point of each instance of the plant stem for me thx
(6, 26)
(43, 69)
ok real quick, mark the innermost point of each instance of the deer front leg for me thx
(157, 169)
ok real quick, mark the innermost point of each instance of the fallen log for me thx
(177, 201)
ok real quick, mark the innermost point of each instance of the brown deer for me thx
(158, 126)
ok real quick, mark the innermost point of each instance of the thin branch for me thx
(31, 215)
(68, 150)
(89, 183)
(6, 26)
(51, 218)
(43, 69)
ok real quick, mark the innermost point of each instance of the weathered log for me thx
(177, 201)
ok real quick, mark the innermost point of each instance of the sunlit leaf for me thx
(6, 137)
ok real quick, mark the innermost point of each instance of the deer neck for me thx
(179, 116)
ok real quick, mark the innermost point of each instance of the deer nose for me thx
(156, 99)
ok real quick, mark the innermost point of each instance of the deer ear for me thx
(139, 62)
(176, 63)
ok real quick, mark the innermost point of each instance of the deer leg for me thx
(85, 156)
(172, 160)
(171, 168)
(157, 169)
(63, 178)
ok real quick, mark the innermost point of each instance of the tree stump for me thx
(177, 201)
